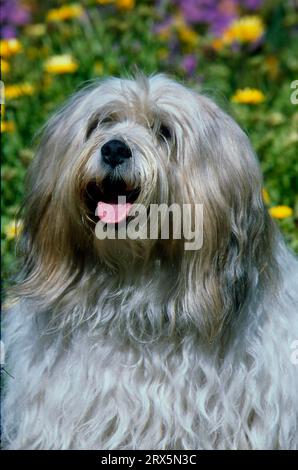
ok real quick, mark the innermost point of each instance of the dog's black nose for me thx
(114, 152)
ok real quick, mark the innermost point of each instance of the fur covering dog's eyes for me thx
(162, 132)
(165, 132)
(91, 128)
(108, 119)
(98, 121)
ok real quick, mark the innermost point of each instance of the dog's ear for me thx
(49, 225)
(239, 235)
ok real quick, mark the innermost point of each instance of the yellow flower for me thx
(35, 30)
(7, 126)
(248, 96)
(245, 29)
(66, 12)
(10, 47)
(187, 35)
(121, 4)
(13, 229)
(59, 64)
(5, 66)
(281, 212)
(21, 89)
(125, 4)
(266, 197)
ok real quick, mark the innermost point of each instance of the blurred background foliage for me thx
(243, 53)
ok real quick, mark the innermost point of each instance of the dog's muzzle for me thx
(111, 199)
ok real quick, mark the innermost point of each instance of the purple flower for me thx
(189, 63)
(220, 24)
(252, 4)
(198, 11)
(216, 14)
(8, 31)
(12, 14)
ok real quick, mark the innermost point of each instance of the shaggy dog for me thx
(142, 344)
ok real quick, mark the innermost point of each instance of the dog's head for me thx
(149, 141)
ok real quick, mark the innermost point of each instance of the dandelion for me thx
(245, 29)
(20, 89)
(10, 47)
(66, 12)
(125, 4)
(248, 96)
(7, 126)
(60, 64)
(12, 229)
(5, 66)
(281, 212)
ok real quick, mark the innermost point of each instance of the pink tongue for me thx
(112, 213)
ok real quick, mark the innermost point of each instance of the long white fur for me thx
(130, 347)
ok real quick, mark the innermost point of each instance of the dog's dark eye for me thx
(97, 121)
(91, 128)
(165, 132)
(107, 119)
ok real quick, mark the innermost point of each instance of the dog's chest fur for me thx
(92, 391)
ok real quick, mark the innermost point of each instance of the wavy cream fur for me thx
(141, 344)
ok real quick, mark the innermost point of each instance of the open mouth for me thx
(110, 201)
